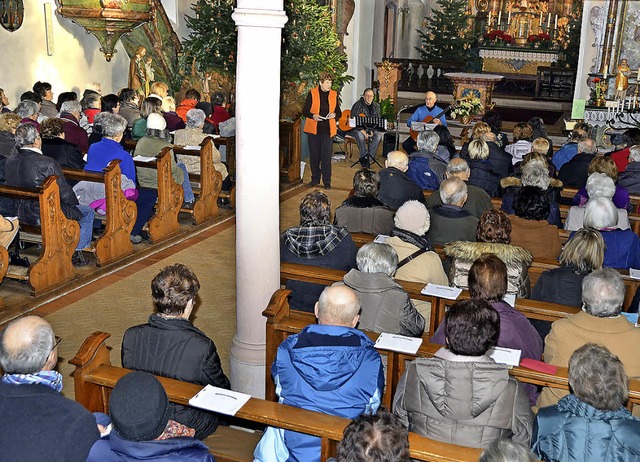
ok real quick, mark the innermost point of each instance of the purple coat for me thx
(620, 198)
(515, 332)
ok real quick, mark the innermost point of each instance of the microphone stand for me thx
(403, 108)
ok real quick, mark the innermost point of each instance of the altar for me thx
(515, 60)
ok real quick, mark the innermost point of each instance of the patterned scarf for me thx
(51, 379)
(420, 242)
(313, 241)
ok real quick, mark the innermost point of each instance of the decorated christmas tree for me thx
(446, 33)
(213, 40)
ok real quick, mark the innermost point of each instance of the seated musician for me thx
(366, 107)
(428, 110)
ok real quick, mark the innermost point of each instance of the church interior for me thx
(567, 62)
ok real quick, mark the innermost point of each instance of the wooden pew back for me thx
(282, 322)
(60, 237)
(95, 377)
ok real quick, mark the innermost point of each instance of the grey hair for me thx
(26, 135)
(71, 106)
(377, 258)
(597, 377)
(600, 185)
(428, 141)
(599, 213)
(634, 153)
(112, 124)
(27, 109)
(91, 100)
(505, 450)
(33, 357)
(587, 146)
(195, 118)
(478, 149)
(603, 293)
(459, 166)
(452, 191)
(535, 174)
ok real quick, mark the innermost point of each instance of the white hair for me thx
(600, 185)
(600, 213)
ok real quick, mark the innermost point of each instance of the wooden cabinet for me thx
(289, 151)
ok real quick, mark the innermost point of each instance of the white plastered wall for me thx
(77, 59)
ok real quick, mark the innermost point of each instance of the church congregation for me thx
(434, 253)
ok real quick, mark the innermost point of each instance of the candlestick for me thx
(509, 19)
(499, 17)
(548, 21)
(489, 19)
(606, 68)
(555, 26)
(540, 19)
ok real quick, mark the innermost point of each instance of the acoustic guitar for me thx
(343, 121)
(368, 122)
(429, 119)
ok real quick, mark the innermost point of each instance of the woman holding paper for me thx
(488, 280)
(461, 395)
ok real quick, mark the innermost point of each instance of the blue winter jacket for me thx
(563, 155)
(330, 369)
(572, 430)
(422, 174)
(113, 448)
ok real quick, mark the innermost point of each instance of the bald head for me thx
(26, 346)
(338, 306)
(458, 168)
(397, 159)
(430, 99)
(453, 191)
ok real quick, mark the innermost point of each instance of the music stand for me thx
(368, 156)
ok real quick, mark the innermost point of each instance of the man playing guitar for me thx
(367, 107)
(427, 113)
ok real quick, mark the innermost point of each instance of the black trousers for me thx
(320, 148)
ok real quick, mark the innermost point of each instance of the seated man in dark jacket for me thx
(317, 243)
(170, 346)
(396, 187)
(574, 173)
(28, 169)
(630, 178)
(449, 221)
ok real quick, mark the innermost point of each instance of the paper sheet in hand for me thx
(399, 343)
(450, 293)
(219, 400)
(144, 159)
(506, 356)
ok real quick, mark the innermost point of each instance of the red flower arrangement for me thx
(497, 36)
(541, 37)
(596, 80)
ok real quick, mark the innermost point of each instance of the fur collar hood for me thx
(510, 254)
(517, 182)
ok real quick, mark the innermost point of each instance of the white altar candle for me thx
(548, 21)
(556, 23)
(489, 18)
(499, 17)
(606, 69)
(509, 18)
(541, 19)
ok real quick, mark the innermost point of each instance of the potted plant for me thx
(466, 109)
(497, 37)
(541, 40)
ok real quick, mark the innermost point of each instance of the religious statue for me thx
(137, 73)
(622, 80)
(149, 74)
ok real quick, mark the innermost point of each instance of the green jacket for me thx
(151, 147)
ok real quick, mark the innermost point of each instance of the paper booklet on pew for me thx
(191, 148)
(144, 159)
(400, 343)
(507, 356)
(219, 400)
(381, 238)
(436, 290)
(634, 273)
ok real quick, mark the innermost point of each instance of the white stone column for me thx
(260, 25)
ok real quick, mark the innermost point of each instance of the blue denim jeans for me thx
(186, 184)
(86, 226)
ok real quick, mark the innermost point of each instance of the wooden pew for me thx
(164, 223)
(532, 309)
(282, 322)
(205, 206)
(114, 244)
(94, 377)
(60, 237)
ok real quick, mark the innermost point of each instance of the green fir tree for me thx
(446, 34)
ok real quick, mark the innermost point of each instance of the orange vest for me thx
(310, 125)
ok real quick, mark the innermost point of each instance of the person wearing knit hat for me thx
(417, 261)
(150, 145)
(139, 412)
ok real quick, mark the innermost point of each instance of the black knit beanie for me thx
(139, 407)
